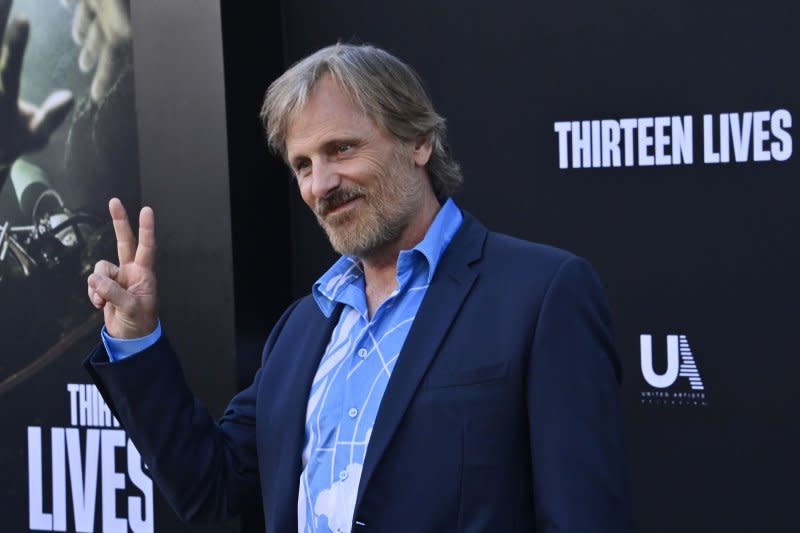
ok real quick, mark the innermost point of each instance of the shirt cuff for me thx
(119, 349)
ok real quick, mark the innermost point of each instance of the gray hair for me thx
(384, 87)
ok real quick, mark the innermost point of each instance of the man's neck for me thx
(380, 270)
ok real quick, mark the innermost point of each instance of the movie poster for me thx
(68, 143)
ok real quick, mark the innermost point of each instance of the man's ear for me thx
(423, 147)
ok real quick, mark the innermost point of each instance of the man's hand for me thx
(127, 293)
(103, 29)
(23, 126)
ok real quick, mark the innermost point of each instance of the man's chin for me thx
(344, 245)
(358, 244)
(349, 240)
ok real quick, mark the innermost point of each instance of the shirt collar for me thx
(332, 287)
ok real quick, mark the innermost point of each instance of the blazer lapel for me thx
(450, 285)
(298, 377)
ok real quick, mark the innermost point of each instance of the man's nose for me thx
(324, 179)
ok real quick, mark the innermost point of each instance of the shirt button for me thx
(362, 352)
(353, 412)
(343, 475)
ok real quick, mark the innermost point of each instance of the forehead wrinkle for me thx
(327, 116)
(312, 141)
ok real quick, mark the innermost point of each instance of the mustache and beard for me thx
(381, 214)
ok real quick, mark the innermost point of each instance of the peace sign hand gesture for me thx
(127, 292)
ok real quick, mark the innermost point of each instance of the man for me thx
(439, 377)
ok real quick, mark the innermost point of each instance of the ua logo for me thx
(680, 363)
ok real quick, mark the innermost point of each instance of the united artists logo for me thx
(680, 385)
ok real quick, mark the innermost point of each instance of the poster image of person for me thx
(68, 142)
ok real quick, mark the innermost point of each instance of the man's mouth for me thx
(337, 204)
(343, 206)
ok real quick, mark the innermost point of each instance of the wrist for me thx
(133, 333)
(118, 349)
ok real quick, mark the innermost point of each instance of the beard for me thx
(381, 215)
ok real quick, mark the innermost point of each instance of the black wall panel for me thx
(706, 252)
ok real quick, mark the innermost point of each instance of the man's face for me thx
(362, 184)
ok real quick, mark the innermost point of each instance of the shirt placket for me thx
(350, 406)
(347, 391)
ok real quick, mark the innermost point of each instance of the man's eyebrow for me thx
(342, 139)
(298, 158)
(348, 138)
(292, 155)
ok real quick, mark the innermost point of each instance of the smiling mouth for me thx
(344, 205)
(339, 207)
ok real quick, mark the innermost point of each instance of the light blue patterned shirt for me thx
(354, 371)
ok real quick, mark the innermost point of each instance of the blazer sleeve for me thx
(207, 470)
(578, 453)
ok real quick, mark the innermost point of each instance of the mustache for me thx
(338, 198)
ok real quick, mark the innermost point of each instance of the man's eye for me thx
(343, 147)
(301, 165)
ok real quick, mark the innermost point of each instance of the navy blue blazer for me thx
(502, 414)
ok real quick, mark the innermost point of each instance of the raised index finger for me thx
(126, 243)
(11, 57)
(5, 9)
(146, 251)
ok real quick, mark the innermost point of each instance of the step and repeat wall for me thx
(656, 139)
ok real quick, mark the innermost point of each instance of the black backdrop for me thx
(704, 251)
